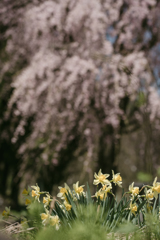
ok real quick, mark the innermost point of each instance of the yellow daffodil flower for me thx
(78, 189)
(134, 190)
(133, 208)
(107, 188)
(101, 194)
(27, 202)
(149, 194)
(6, 212)
(25, 192)
(45, 217)
(101, 178)
(36, 192)
(46, 200)
(67, 206)
(27, 196)
(117, 179)
(63, 191)
(54, 221)
(156, 188)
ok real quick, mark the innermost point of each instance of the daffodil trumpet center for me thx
(102, 178)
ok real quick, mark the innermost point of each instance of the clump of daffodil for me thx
(67, 206)
(79, 190)
(46, 200)
(63, 191)
(101, 178)
(156, 188)
(117, 179)
(53, 209)
(133, 208)
(6, 212)
(36, 192)
(54, 221)
(133, 190)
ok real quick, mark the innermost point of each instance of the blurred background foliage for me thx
(79, 91)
